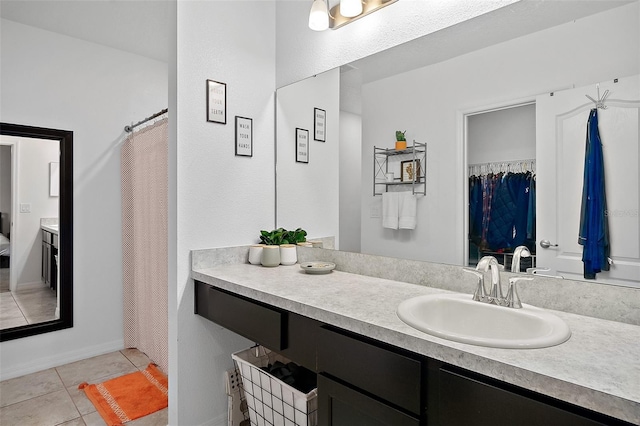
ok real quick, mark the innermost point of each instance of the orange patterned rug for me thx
(129, 397)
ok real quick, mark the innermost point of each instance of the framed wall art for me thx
(216, 102)
(302, 145)
(319, 124)
(244, 136)
(410, 171)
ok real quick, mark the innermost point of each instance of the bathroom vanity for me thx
(49, 267)
(375, 370)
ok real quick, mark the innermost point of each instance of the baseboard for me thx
(222, 420)
(59, 359)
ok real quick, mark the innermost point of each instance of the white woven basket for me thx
(272, 402)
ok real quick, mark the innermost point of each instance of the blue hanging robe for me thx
(594, 227)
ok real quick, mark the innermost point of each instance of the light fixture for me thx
(350, 8)
(319, 16)
(343, 13)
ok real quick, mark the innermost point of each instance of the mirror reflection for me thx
(36, 206)
(30, 231)
(464, 109)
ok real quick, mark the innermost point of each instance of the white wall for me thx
(303, 52)
(436, 96)
(222, 200)
(505, 135)
(33, 188)
(308, 192)
(55, 81)
(350, 181)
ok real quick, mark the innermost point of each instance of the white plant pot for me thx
(288, 254)
(255, 254)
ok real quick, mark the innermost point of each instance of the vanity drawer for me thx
(339, 405)
(256, 321)
(385, 373)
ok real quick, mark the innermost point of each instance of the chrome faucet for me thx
(495, 297)
(518, 253)
(490, 263)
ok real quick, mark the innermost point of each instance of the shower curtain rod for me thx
(130, 128)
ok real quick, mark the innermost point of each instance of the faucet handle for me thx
(513, 300)
(480, 293)
(536, 271)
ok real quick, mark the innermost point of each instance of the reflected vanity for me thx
(54, 271)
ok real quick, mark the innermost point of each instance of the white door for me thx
(561, 128)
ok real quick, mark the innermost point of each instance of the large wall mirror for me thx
(475, 98)
(36, 204)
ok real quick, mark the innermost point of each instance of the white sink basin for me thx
(459, 318)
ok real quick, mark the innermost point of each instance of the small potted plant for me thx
(401, 142)
(285, 242)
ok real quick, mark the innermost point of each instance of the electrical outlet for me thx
(374, 211)
(25, 207)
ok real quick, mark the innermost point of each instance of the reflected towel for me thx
(407, 211)
(390, 206)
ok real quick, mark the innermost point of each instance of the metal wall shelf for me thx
(387, 160)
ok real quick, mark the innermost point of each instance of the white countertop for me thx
(50, 228)
(597, 368)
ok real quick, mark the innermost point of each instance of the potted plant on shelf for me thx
(401, 142)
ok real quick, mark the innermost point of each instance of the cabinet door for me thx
(256, 321)
(385, 372)
(44, 263)
(339, 405)
(468, 401)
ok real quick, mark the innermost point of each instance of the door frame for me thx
(15, 155)
(463, 140)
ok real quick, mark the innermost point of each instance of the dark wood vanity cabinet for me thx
(461, 397)
(49, 265)
(364, 382)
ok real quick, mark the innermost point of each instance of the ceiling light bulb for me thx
(319, 16)
(350, 8)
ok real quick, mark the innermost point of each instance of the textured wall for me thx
(221, 199)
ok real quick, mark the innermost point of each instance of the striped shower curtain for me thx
(144, 241)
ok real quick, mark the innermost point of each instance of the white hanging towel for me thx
(390, 206)
(407, 210)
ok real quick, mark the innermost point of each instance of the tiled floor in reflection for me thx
(51, 397)
(30, 305)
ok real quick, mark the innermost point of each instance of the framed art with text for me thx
(216, 102)
(302, 145)
(319, 124)
(244, 136)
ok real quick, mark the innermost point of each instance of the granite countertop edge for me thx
(600, 388)
(50, 229)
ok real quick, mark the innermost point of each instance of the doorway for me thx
(6, 214)
(501, 158)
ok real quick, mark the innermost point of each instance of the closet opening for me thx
(501, 162)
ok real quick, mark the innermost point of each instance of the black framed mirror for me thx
(64, 284)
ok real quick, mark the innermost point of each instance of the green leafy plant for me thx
(282, 236)
(400, 136)
(297, 236)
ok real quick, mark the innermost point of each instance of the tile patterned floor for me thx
(51, 397)
(30, 305)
